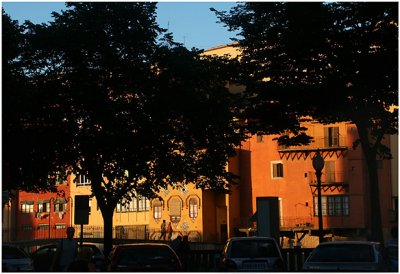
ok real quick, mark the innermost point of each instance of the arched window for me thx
(193, 208)
(157, 209)
(175, 207)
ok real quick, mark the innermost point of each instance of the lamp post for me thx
(318, 164)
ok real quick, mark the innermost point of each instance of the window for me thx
(60, 205)
(277, 170)
(260, 138)
(134, 205)
(331, 136)
(60, 226)
(143, 204)
(193, 208)
(82, 180)
(27, 207)
(43, 227)
(175, 207)
(43, 206)
(157, 209)
(127, 206)
(333, 205)
(27, 227)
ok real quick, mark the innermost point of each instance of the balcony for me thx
(329, 181)
(327, 146)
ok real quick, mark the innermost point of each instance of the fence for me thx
(89, 232)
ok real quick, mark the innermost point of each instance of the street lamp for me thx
(318, 164)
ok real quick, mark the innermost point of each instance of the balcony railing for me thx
(328, 177)
(320, 143)
(329, 180)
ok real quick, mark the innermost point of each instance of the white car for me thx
(251, 254)
(348, 256)
(14, 259)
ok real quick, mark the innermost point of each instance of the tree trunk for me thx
(108, 225)
(376, 233)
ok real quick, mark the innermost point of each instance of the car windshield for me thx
(254, 249)
(145, 255)
(343, 253)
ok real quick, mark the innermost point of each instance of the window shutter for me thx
(330, 171)
(335, 136)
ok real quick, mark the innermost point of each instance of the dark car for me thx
(43, 257)
(15, 259)
(348, 256)
(144, 257)
(392, 247)
(251, 254)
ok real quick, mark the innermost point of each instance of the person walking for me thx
(66, 252)
(163, 230)
(169, 231)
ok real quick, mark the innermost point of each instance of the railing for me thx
(328, 177)
(132, 232)
(319, 142)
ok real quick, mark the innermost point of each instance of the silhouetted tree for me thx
(331, 61)
(137, 111)
(28, 151)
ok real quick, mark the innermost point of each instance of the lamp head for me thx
(318, 162)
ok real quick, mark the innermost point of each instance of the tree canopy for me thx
(329, 61)
(125, 105)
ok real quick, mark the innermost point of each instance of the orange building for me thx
(43, 215)
(267, 169)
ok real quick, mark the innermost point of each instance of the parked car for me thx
(251, 254)
(144, 257)
(15, 259)
(348, 256)
(43, 257)
(393, 250)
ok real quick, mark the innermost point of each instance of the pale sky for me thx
(191, 23)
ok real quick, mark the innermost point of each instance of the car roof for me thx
(349, 243)
(143, 244)
(250, 238)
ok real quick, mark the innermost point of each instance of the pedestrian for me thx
(163, 230)
(66, 252)
(84, 261)
(184, 252)
(169, 231)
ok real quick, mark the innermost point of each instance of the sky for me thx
(192, 23)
